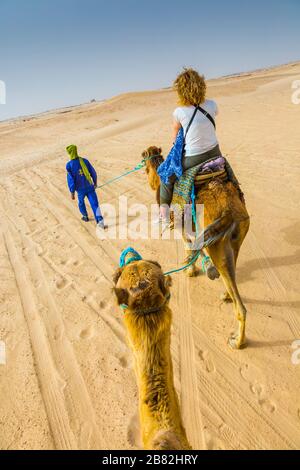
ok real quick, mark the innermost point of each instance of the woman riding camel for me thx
(196, 115)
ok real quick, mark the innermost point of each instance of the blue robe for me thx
(78, 182)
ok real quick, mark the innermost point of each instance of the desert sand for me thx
(69, 382)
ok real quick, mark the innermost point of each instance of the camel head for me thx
(153, 158)
(142, 287)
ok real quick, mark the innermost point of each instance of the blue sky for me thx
(64, 52)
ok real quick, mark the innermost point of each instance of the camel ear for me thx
(164, 283)
(159, 150)
(168, 281)
(122, 295)
(117, 275)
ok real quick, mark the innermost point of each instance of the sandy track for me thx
(190, 403)
(68, 381)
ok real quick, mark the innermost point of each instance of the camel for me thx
(142, 286)
(225, 212)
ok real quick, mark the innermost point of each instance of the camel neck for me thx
(149, 338)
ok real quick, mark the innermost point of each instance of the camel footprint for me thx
(258, 390)
(208, 363)
(87, 333)
(213, 442)
(123, 361)
(60, 282)
(249, 374)
(72, 262)
(133, 432)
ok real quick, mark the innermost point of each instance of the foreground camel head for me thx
(142, 287)
(143, 291)
(153, 158)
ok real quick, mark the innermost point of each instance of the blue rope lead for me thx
(205, 259)
(137, 257)
(137, 168)
(193, 260)
(194, 211)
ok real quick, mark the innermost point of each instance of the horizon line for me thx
(94, 101)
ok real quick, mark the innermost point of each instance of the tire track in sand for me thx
(80, 241)
(109, 320)
(190, 402)
(275, 284)
(69, 206)
(104, 266)
(50, 383)
(69, 408)
(284, 433)
(74, 401)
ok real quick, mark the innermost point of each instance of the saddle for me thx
(198, 176)
(214, 168)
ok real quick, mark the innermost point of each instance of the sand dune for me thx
(68, 381)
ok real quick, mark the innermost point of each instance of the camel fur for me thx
(143, 288)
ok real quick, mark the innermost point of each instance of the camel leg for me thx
(223, 257)
(236, 243)
(191, 271)
(226, 297)
(211, 272)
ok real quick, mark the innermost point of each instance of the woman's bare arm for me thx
(176, 127)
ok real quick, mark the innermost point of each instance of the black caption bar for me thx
(135, 459)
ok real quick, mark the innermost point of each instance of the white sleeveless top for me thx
(201, 136)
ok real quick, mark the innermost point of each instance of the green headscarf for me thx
(72, 151)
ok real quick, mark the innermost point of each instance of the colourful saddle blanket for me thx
(183, 186)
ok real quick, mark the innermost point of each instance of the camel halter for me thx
(124, 262)
(137, 257)
(150, 310)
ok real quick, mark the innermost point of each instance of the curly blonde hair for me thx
(190, 87)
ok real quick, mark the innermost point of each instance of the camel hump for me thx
(221, 199)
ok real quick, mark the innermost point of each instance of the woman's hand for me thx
(176, 127)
